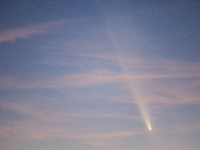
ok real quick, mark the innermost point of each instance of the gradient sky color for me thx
(97, 75)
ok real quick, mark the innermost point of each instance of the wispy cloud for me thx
(165, 77)
(107, 135)
(49, 123)
(42, 131)
(39, 131)
(50, 116)
(5, 131)
(99, 77)
(26, 32)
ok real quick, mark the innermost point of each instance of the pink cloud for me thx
(26, 32)
(43, 131)
(50, 116)
(5, 131)
(147, 81)
(41, 127)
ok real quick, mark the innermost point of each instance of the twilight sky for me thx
(99, 75)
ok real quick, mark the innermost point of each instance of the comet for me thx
(136, 94)
(142, 106)
(118, 46)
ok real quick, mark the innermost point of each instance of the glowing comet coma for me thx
(142, 105)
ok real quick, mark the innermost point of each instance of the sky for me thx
(99, 75)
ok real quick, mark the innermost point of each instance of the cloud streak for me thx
(98, 76)
(165, 77)
(46, 124)
(5, 131)
(27, 32)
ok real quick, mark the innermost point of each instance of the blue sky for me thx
(103, 75)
